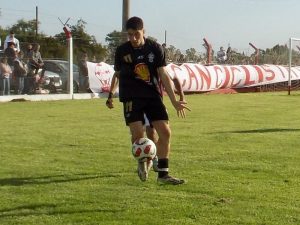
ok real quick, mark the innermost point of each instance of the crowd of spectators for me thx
(21, 68)
(18, 69)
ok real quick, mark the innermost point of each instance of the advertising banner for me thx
(200, 78)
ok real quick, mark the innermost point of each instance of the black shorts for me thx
(135, 109)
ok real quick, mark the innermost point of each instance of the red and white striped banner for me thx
(200, 78)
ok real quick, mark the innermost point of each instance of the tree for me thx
(191, 55)
(83, 42)
(25, 32)
(171, 52)
(276, 55)
(3, 33)
(52, 49)
(25, 28)
(114, 39)
(56, 47)
(179, 57)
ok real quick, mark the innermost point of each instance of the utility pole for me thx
(125, 17)
(166, 37)
(36, 22)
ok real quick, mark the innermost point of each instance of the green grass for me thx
(69, 162)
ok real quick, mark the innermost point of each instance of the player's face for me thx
(136, 37)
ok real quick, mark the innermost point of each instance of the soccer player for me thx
(139, 67)
(149, 129)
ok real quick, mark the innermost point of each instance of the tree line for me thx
(56, 46)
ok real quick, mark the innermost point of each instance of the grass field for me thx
(69, 162)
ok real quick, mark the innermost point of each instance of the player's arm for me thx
(113, 87)
(178, 105)
(178, 87)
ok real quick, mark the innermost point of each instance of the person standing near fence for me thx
(28, 51)
(83, 73)
(11, 39)
(5, 75)
(10, 52)
(20, 72)
(35, 62)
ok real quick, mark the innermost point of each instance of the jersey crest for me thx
(151, 57)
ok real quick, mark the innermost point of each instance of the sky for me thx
(265, 23)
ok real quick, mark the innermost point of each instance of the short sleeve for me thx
(161, 56)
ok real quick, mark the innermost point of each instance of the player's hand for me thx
(109, 103)
(180, 106)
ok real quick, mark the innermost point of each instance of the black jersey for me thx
(138, 70)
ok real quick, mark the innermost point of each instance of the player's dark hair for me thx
(135, 23)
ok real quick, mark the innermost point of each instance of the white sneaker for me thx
(143, 169)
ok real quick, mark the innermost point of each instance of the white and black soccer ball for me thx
(143, 149)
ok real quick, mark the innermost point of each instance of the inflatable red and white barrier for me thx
(100, 75)
(200, 78)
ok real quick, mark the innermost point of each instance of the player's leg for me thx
(152, 135)
(134, 118)
(164, 134)
(163, 150)
(158, 116)
(137, 132)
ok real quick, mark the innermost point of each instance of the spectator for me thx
(94, 59)
(35, 62)
(11, 38)
(35, 59)
(5, 74)
(221, 55)
(20, 72)
(83, 73)
(10, 53)
(229, 55)
(28, 52)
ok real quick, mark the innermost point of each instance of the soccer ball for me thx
(143, 149)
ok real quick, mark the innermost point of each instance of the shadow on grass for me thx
(52, 179)
(49, 209)
(266, 130)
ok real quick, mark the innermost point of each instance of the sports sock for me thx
(163, 167)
